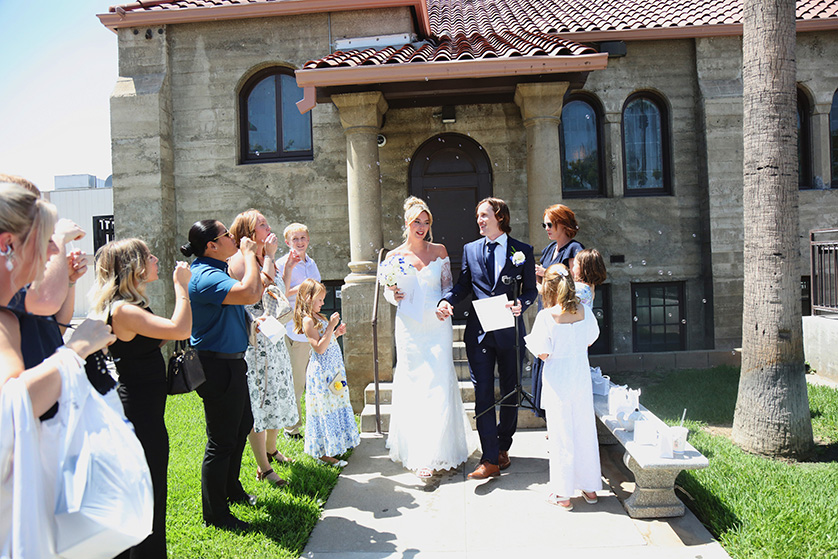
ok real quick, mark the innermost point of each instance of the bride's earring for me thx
(8, 253)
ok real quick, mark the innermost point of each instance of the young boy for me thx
(296, 267)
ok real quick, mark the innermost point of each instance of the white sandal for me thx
(424, 473)
(590, 500)
(554, 499)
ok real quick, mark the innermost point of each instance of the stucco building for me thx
(331, 112)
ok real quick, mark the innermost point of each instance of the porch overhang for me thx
(419, 84)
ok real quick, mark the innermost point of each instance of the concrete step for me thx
(459, 330)
(526, 419)
(385, 392)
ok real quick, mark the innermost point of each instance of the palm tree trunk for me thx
(772, 409)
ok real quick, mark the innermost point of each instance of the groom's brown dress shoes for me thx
(485, 470)
(503, 460)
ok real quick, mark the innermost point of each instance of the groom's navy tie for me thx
(490, 260)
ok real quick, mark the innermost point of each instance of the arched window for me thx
(646, 149)
(833, 138)
(804, 141)
(272, 128)
(580, 133)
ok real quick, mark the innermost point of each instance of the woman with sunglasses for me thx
(219, 334)
(560, 224)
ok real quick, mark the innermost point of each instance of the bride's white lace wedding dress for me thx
(428, 424)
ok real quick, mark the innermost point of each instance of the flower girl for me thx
(562, 332)
(330, 422)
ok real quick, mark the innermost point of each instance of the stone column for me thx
(541, 110)
(143, 154)
(821, 158)
(361, 116)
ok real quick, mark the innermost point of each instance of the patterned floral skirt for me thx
(330, 423)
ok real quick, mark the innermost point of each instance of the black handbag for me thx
(185, 370)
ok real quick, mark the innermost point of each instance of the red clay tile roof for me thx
(480, 29)
(459, 47)
(453, 17)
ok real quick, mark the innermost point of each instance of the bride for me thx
(428, 426)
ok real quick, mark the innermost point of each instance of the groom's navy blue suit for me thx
(495, 347)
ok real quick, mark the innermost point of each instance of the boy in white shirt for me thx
(296, 267)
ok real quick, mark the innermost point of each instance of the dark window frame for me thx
(805, 175)
(651, 346)
(245, 157)
(666, 146)
(596, 107)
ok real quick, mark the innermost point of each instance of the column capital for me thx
(540, 100)
(365, 109)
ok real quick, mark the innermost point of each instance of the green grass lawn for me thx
(282, 519)
(755, 506)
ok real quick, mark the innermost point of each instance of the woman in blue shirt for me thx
(219, 333)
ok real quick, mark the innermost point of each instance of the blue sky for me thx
(58, 67)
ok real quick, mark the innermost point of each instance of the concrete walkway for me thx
(378, 510)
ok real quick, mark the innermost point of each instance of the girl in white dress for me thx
(560, 337)
(429, 429)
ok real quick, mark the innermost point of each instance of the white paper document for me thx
(493, 314)
(272, 329)
(413, 304)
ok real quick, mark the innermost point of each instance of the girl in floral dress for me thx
(588, 271)
(330, 422)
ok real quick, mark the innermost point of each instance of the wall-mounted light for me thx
(449, 115)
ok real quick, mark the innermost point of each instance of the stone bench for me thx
(654, 493)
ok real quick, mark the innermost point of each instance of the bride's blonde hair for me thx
(413, 207)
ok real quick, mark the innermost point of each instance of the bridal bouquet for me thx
(392, 269)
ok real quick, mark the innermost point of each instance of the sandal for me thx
(263, 476)
(337, 463)
(424, 473)
(275, 456)
(588, 499)
(564, 504)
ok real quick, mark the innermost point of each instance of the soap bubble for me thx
(643, 262)
(704, 301)
(465, 313)
(660, 232)
(660, 272)
(630, 266)
(484, 350)
(635, 319)
(683, 321)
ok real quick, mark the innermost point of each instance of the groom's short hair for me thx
(501, 212)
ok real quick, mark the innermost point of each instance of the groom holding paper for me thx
(491, 267)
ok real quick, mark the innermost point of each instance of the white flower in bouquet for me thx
(394, 268)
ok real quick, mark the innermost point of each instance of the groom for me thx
(486, 262)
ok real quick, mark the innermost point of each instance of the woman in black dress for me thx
(123, 268)
(560, 225)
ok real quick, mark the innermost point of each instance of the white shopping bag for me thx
(104, 499)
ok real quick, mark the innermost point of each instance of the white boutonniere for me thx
(518, 257)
